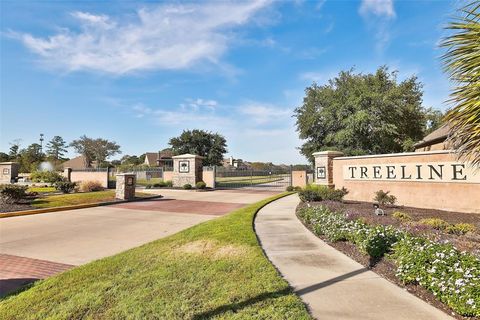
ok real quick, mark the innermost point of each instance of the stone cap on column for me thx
(328, 153)
(188, 155)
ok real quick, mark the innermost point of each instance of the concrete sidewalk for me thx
(330, 283)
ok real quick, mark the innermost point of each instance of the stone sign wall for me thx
(187, 169)
(8, 171)
(432, 179)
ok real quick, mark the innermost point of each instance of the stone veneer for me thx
(125, 189)
(187, 169)
(8, 172)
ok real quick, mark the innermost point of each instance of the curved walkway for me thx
(330, 283)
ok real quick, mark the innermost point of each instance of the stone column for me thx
(67, 173)
(125, 189)
(324, 167)
(8, 172)
(187, 169)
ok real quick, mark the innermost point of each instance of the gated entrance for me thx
(145, 175)
(277, 180)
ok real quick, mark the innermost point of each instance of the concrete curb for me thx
(67, 208)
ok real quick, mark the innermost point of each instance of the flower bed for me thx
(452, 276)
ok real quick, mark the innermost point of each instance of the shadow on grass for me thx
(11, 287)
(234, 307)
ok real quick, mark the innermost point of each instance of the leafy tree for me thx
(14, 149)
(435, 119)
(261, 166)
(210, 145)
(31, 157)
(4, 157)
(462, 63)
(362, 114)
(56, 148)
(95, 149)
(130, 160)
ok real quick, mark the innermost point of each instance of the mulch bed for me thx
(469, 242)
(5, 207)
(384, 267)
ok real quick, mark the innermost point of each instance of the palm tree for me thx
(462, 63)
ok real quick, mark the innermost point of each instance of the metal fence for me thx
(277, 180)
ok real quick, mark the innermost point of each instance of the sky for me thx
(140, 73)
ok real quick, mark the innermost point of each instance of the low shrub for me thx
(148, 186)
(169, 183)
(435, 223)
(187, 186)
(452, 276)
(200, 185)
(309, 196)
(10, 193)
(160, 184)
(297, 188)
(319, 193)
(65, 186)
(402, 216)
(289, 188)
(384, 198)
(46, 176)
(379, 240)
(460, 228)
(91, 186)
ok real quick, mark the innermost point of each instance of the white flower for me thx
(470, 301)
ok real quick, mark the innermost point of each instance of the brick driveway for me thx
(38, 246)
(18, 271)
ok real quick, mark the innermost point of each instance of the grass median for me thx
(78, 198)
(214, 270)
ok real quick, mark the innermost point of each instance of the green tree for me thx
(30, 158)
(56, 148)
(95, 149)
(210, 145)
(362, 114)
(14, 150)
(4, 157)
(462, 63)
(130, 160)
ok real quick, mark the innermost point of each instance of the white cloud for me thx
(197, 104)
(263, 113)
(160, 37)
(382, 8)
(378, 15)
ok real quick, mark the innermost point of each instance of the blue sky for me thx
(140, 73)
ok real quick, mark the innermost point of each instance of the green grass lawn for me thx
(78, 198)
(215, 270)
(144, 182)
(42, 189)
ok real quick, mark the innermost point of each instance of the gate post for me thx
(187, 169)
(67, 173)
(324, 167)
(125, 188)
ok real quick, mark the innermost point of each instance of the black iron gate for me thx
(277, 180)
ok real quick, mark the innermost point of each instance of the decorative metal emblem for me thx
(184, 166)
(321, 173)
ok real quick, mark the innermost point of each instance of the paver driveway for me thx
(37, 246)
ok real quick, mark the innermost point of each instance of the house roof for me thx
(151, 158)
(436, 136)
(77, 163)
(165, 154)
